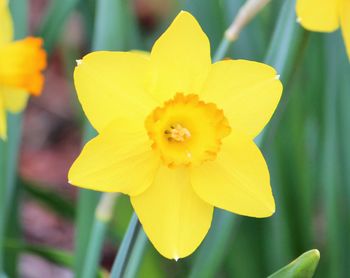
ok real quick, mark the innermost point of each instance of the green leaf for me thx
(210, 16)
(344, 154)
(13, 230)
(286, 40)
(212, 252)
(115, 26)
(54, 21)
(302, 267)
(50, 199)
(53, 255)
(56, 256)
(87, 202)
(333, 192)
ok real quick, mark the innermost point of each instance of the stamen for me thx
(178, 133)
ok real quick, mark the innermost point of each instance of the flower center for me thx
(177, 133)
(187, 131)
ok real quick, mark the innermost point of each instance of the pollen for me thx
(177, 133)
(186, 131)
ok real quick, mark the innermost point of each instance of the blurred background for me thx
(307, 144)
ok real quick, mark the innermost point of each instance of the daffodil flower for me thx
(175, 133)
(21, 63)
(325, 16)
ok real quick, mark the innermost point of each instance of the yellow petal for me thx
(247, 91)
(181, 58)
(120, 159)
(6, 25)
(3, 126)
(15, 100)
(144, 53)
(318, 15)
(345, 23)
(238, 180)
(172, 215)
(113, 84)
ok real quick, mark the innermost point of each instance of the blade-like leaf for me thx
(302, 267)
(50, 199)
(54, 21)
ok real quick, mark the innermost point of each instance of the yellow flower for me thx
(21, 63)
(176, 134)
(325, 16)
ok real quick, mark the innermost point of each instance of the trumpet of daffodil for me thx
(21, 63)
(325, 16)
(175, 133)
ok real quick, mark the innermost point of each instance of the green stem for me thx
(9, 149)
(103, 216)
(8, 184)
(2, 205)
(136, 255)
(126, 249)
(9, 157)
(222, 49)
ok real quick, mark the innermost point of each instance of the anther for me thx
(177, 133)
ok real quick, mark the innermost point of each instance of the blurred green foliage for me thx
(306, 145)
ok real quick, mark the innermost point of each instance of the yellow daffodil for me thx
(21, 63)
(175, 132)
(325, 16)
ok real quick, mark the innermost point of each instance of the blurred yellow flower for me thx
(176, 134)
(325, 16)
(21, 63)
